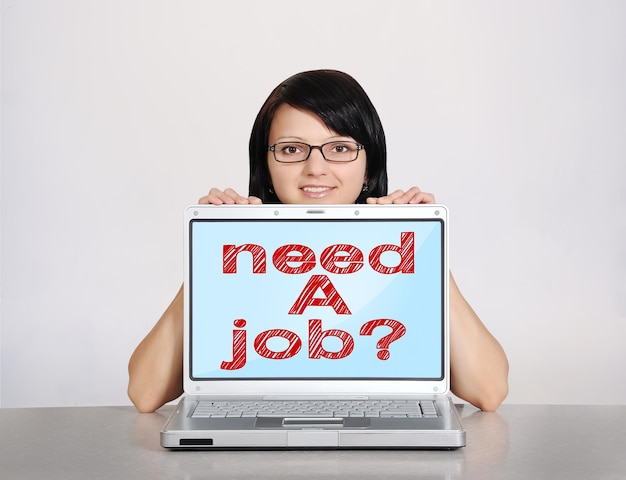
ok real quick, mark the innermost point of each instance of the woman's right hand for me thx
(227, 197)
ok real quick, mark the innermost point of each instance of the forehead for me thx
(293, 123)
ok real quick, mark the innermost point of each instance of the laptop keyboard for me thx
(316, 409)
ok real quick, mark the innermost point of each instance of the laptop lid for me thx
(297, 300)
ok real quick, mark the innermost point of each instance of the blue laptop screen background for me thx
(305, 313)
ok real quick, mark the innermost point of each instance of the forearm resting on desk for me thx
(156, 366)
(478, 365)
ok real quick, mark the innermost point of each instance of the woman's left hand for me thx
(413, 195)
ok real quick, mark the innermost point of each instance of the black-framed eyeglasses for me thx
(293, 152)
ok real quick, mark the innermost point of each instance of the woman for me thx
(318, 139)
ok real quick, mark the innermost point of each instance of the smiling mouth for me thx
(316, 189)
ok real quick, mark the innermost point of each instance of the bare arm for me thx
(156, 366)
(478, 365)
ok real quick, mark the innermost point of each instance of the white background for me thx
(116, 114)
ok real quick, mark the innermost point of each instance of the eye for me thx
(291, 149)
(342, 148)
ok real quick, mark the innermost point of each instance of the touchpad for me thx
(301, 422)
(308, 422)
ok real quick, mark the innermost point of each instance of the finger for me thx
(386, 199)
(216, 197)
(389, 199)
(211, 200)
(422, 198)
(414, 196)
(238, 199)
(402, 197)
(254, 200)
(396, 195)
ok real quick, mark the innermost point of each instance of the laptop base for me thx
(182, 432)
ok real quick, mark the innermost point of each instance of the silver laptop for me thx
(315, 327)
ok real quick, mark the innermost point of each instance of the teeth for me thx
(315, 189)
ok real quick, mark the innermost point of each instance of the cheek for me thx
(361, 172)
(353, 180)
(271, 168)
(282, 179)
(360, 167)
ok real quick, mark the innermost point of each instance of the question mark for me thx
(397, 331)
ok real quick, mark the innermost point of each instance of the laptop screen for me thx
(316, 299)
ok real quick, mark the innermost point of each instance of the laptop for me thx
(315, 327)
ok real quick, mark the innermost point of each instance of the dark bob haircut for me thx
(343, 106)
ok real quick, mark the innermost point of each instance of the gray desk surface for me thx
(525, 442)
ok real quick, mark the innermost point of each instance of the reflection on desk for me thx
(116, 442)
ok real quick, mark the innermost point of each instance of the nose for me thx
(315, 164)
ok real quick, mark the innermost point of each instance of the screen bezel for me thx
(297, 385)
